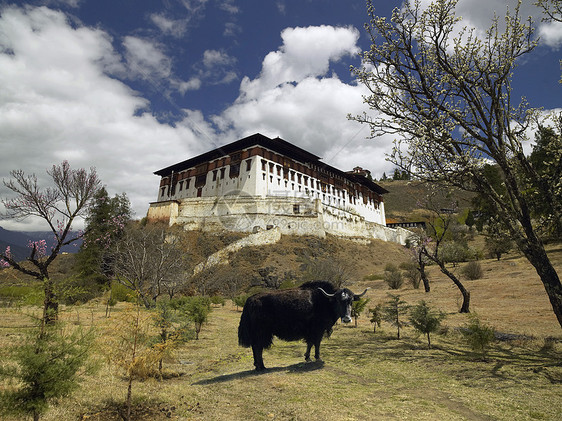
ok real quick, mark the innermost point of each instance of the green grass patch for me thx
(21, 295)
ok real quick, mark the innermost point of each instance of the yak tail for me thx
(244, 329)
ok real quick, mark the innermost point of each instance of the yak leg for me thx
(316, 344)
(258, 357)
(317, 350)
(307, 353)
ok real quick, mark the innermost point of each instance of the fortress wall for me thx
(290, 215)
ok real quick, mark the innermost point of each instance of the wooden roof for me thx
(277, 145)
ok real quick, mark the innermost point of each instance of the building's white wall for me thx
(264, 179)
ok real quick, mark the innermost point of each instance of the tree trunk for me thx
(536, 254)
(129, 393)
(50, 304)
(425, 279)
(421, 268)
(465, 308)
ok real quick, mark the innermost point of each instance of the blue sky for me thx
(132, 86)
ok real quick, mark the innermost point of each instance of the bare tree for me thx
(448, 95)
(148, 262)
(58, 206)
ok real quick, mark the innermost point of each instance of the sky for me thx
(132, 86)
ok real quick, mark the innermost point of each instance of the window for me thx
(263, 164)
(248, 165)
(187, 183)
(215, 175)
(222, 172)
(181, 185)
(200, 180)
(234, 170)
(296, 209)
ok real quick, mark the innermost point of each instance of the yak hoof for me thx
(261, 368)
(307, 359)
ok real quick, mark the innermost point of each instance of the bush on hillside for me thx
(393, 276)
(473, 270)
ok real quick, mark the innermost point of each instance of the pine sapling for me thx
(425, 320)
(393, 310)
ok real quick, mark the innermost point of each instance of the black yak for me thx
(308, 312)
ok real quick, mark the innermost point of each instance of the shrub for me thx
(473, 270)
(49, 364)
(478, 335)
(374, 277)
(240, 300)
(411, 273)
(218, 300)
(376, 316)
(393, 277)
(425, 320)
(357, 308)
(393, 310)
(120, 293)
(197, 309)
(24, 295)
(498, 244)
(454, 252)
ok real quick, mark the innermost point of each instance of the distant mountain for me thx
(18, 242)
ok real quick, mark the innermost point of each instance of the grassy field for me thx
(365, 376)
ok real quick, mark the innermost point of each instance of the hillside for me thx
(363, 376)
(18, 242)
(402, 201)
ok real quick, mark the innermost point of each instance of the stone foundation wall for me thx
(290, 215)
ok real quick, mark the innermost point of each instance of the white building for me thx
(258, 182)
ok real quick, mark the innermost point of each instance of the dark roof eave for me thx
(276, 145)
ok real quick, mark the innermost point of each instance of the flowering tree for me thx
(447, 93)
(58, 206)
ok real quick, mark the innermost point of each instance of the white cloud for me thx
(231, 29)
(551, 34)
(229, 7)
(169, 26)
(305, 52)
(145, 59)
(58, 102)
(295, 99)
(212, 58)
(217, 67)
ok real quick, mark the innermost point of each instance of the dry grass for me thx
(365, 376)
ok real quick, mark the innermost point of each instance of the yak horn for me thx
(325, 293)
(360, 295)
